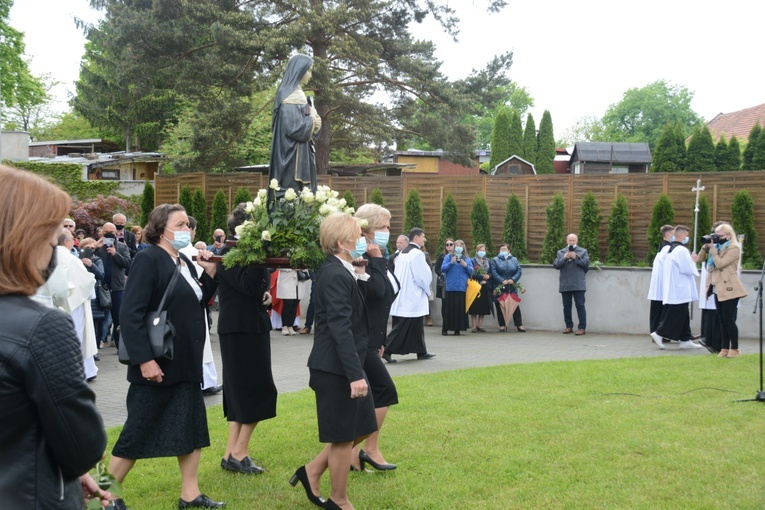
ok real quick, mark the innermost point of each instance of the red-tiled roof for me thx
(737, 123)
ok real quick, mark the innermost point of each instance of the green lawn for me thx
(653, 433)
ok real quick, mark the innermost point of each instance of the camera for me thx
(571, 247)
(108, 241)
(711, 238)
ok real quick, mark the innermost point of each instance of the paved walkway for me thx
(289, 356)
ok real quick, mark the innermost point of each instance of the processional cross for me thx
(698, 188)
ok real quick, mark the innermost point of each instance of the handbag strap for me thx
(170, 286)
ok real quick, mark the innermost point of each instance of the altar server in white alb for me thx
(655, 291)
(678, 291)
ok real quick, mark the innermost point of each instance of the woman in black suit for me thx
(166, 411)
(379, 292)
(344, 410)
(249, 392)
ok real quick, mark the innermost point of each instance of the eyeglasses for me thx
(68, 226)
(449, 244)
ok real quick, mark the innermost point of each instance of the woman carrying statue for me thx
(295, 122)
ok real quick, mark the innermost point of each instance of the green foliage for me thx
(758, 157)
(512, 97)
(186, 199)
(701, 152)
(587, 129)
(68, 177)
(555, 237)
(662, 214)
(147, 202)
(516, 135)
(448, 221)
(530, 141)
(413, 212)
(546, 145)
(721, 154)
(500, 140)
(703, 226)
(667, 156)
(219, 215)
(242, 195)
(350, 200)
(682, 150)
(750, 149)
(73, 126)
(643, 112)
(376, 197)
(514, 233)
(733, 159)
(589, 226)
(479, 219)
(742, 220)
(619, 242)
(17, 84)
(199, 212)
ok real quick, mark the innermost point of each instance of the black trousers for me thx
(517, 318)
(727, 312)
(581, 311)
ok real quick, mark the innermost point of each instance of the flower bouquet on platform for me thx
(286, 234)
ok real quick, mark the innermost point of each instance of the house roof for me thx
(618, 152)
(519, 159)
(736, 123)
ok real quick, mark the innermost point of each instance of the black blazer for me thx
(378, 296)
(342, 331)
(150, 275)
(240, 295)
(130, 242)
(120, 264)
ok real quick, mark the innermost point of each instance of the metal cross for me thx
(698, 188)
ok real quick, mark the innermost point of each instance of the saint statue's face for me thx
(307, 76)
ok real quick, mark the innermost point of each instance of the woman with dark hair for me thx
(506, 271)
(249, 392)
(344, 410)
(52, 433)
(166, 411)
(441, 280)
(481, 307)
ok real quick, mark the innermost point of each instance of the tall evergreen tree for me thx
(413, 212)
(682, 151)
(241, 195)
(376, 197)
(199, 211)
(479, 219)
(758, 157)
(666, 157)
(701, 152)
(619, 241)
(350, 200)
(734, 154)
(514, 233)
(555, 237)
(147, 202)
(448, 221)
(589, 226)
(530, 141)
(742, 220)
(219, 215)
(546, 145)
(516, 134)
(500, 140)
(703, 226)
(662, 214)
(721, 155)
(748, 156)
(186, 199)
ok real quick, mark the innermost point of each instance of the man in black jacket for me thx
(116, 259)
(124, 235)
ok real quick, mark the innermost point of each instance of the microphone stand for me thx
(760, 397)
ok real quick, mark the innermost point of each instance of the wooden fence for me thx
(535, 192)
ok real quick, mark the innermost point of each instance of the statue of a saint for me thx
(295, 123)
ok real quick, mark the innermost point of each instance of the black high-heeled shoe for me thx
(365, 458)
(331, 505)
(302, 477)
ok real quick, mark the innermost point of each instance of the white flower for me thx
(239, 229)
(265, 235)
(342, 203)
(308, 198)
(249, 207)
(334, 194)
(256, 203)
(274, 185)
(350, 211)
(363, 223)
(290, 195)
(333, 202)
(321, 196)
(262, 194)
(325, 209)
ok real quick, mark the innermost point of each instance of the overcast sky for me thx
(574, 57)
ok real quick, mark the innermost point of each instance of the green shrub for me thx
(376, 197)
(589, 226)
(448, 221)
(619, 242)
(186, 199)
(413, 212)
(479, 219)
(199, 211)
(219, 215)
(555, 238)
(242, 195)
(662, 214)
(68, 177)
(742, 219)
(514, 233)
(147, 202)
(350, 200)
(703, 226)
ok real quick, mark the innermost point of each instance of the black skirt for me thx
(163, 421)
(341, 418)
(482, 303)
(249, 392)
(406, 335)
(455, 318)
(383, 389)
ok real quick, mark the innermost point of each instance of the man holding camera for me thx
(573, 264)
(219, 238)
(116, 259)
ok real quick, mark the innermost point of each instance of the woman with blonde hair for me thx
(722, 257)
(458, 267)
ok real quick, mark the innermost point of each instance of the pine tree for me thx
(619, 242)
(665, 156)
(748, 157)
(185, 198)
(704, 224)
(734, 154)
(682, 151)
(589, 226)
(448, 221)
(742, 220)
(479, 219)
(219, 215)
(516, 135)
(350, 200)
(413, 212)
(500, 140)
(721, 154)
(514, 234)
(147, 202)
(530, 141)
(555, 238)
(199, 211)
(545, 145)
(701, 152)
(758, 157)
(242, 195)
(376, 197)
(662, 214)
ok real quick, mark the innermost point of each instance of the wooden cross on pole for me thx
(698, 189)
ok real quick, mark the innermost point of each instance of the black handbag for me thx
(303, 275)
(159, 329)
(104, 296)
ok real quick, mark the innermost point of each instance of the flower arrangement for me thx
(290, 229)
(515, 288)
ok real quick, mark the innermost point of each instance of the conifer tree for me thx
(242, 195)
(500, 140)
(721, 154)
(555, 237)
(350, 200)
(514, 233)
(681, 149)
(758, 157)
(516, 135)
(530, 141)
(219, 215)
(748, 156)
(376, 197)
(704, 224)
(413, 212)
(448, 221)
(619, 241)
(662, 214)
(545, 145)
(589, 226)
(147, 202)
(186, 199)
(479, 219)
(742, 220)
(734, 154)
(666, 157)
(199, 212)
(701, 152)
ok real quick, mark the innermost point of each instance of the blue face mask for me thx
(503, 254)
(672, 239)
(685, 241)
(481, 254)
(382, 238)
(182, 238)
(361, 248)
(458, 250)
